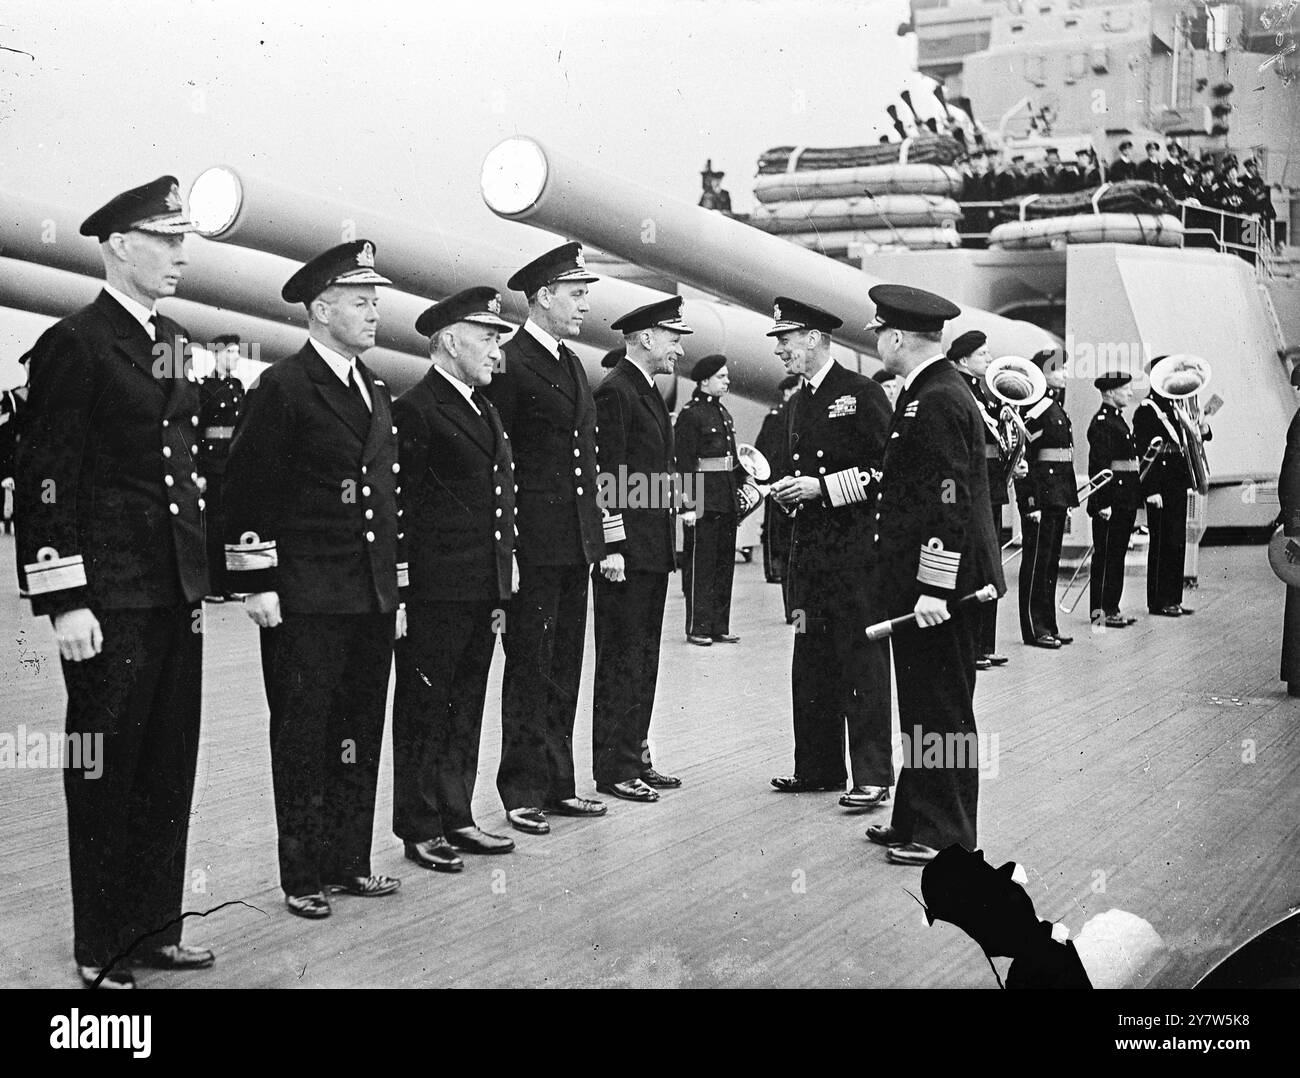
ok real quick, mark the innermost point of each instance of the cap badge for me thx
(494, 304)
(366, 256)
(173, 199)
(776, 313)
(578, 259)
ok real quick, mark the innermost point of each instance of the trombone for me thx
(1153, 451)
(1083, 493)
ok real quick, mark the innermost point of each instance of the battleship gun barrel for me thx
(522, 180)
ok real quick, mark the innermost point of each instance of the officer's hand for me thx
(7, 483)
(687, 517)
(1105, 513)
(792, 489)
(1036, 515)
(931, 611)
(1155, 501)
(1021, 469)
(78, 634)
(264, 609)
(401, 622)
(612, 569)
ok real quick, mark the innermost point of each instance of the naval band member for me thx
(458, 508)
(311, 539)
(705, 438)
(970, 353)
(937, 545)
(110, 547)
(1113, 508)
(221, 402)
(638, 496)
(1045, 497)
(835, 436)
(545, 404)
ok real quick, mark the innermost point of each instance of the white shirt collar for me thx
(542, 337)
(135, 309)
(907, 382)
(464, 390)
(817, 379)
(644, 374)
(340, 364)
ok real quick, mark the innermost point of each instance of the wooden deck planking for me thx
(1113, 756)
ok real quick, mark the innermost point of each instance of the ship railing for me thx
(1245, 235)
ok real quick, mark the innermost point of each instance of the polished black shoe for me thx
(1186, 611)
(1046, 641)
(982, 663)
(1065, 639)
(997, 660)
(97, 977)
(865, 797)
(884, 835)
(793, 784)
(436, 853)
(652, 778)
(1117, 621)
(532, 821)
(1168, 612)
(700, 641)
(175, 956)
(364, 886)
(911, 853)
(577, 806)
(631, 790)
(476, 840)
(313, 907)
(725, 638)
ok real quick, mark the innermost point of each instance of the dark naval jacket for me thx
(221, 405)
(109, 514)
(706, 431)
(638, 480)
(458, 494)
(936, 529)
(992, 409)
(1168, 474)
(1110, 442)
(546, 407)
(1050, 483)
(311, 492)
(837, 436)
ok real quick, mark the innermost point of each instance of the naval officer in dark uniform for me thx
(1165, 487)
(1112, 509)
(777, 525)
(937, 545)
(221, 397)
(970, 353)
(835, 437)
(638, 499)
(110, 546)
(458, 533)
(545, 404)
(1288, 496)
(311, 539)
(705, 437)
(1045, 497)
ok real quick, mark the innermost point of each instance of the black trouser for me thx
(128, 825)
(442, 673)
(776, 542)
(708, 566)
(214, 533)
(986, 631)
(629, 624)
(1291, 638)
(1109, 545)
(546, 630)
(1167, 551)
(934, 670)
(326, 678)
(838, 678)
(1040, 563)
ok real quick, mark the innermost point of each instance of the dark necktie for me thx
(153, 327)
(354, 379)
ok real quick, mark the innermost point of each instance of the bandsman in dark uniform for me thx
(638, 497)
(1113, 509)
(1045, 497)
(221, 397)
(110, 547)
(937, 545)
(777, 525)
(1165, 488)
(705, 437)
(970, 353)
(1288, 496)
(311, 540)
(835, 438)
(545, 404)
(458, 533)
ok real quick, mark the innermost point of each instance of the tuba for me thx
(752, 472)
(1180, 378)
(1017, 383)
